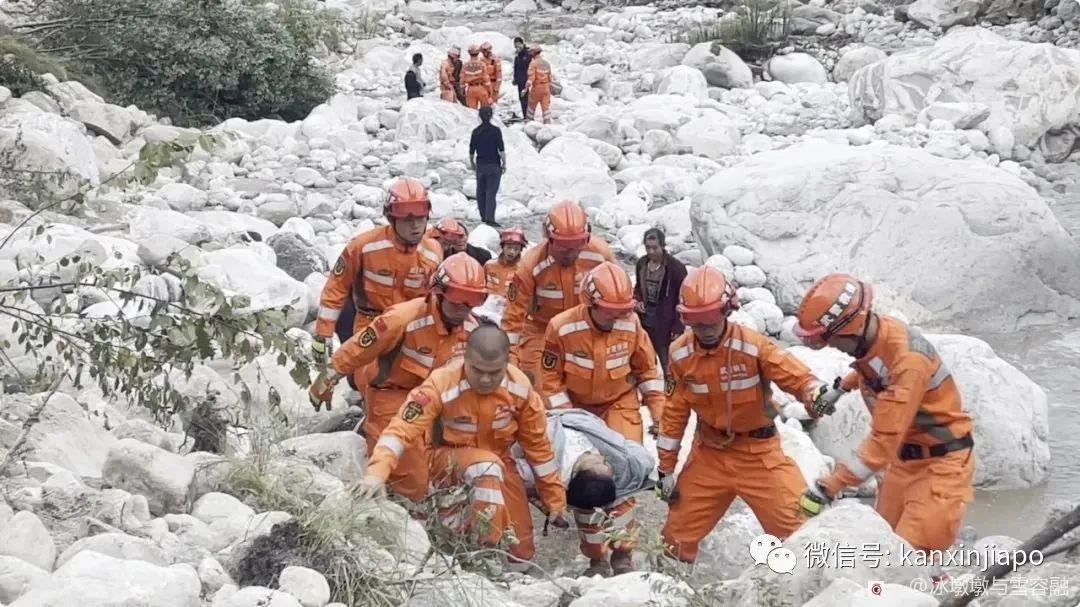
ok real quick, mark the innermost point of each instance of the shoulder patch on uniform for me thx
(339, 267)
(918, 343)
(368, 337)
(411, 412)
(548, 360)
(669, 386)
(512, 291)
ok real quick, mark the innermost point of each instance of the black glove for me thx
(825, 399)
(654, 430)
(665, 488)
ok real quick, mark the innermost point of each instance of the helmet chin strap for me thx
(864, 344)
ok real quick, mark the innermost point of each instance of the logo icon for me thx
(875, 587)
(767, 550)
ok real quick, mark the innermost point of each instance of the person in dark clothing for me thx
(414, 80)
(521, 73)
(480, 254)
(659, 277)
(487, 156)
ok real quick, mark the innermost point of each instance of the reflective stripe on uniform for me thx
(379, 278)
(549, 293)
(501, 422)
(543, 265)
(454, 392)
(474, 471)
(624, 325)
(392, 443)
(939, 376)
(432, 255)
(573, 327)
(580, 361)
(681, 353)
(326, 313)
(413, 283)
(591, 256)
(742, 346)
(879, 367)
(491, 496)
(427, 361)
(420, 323)
(378, 245)
(859, 469)
(615, 363)
(461, 426)
(741, 384)
(698, 388)
(559, 399)
(515, 388)
(589, 518)
(546, 468)
(668, 444)
(651, 385)
(514, 338)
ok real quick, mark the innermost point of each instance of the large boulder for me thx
(163, 478)
(975, 65)
(245, 272)
(720, 65)
(55, 148)
(66, 434)
(943, 13)
(428, 119)
(958, 243)
(684, 80)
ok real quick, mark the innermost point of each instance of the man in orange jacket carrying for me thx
(378, 268)
(476, 408)
(919, 433)
(547, 281)
(500, 271)
(399, 349)
(474, 73)
(598, 358)
(720, 371)
(539, 85)
(494, 71)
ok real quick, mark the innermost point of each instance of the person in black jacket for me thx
(521, 72)
(659, 277)
(414, 81)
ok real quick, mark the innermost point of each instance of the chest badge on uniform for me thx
(548, 360)
(511, 291)
(411, 412)
(368, 337)
(339, 267)
(669, 386)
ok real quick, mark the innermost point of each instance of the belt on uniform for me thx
(759, 433)
(911, 451)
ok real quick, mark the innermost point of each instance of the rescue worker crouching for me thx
(476, 408)
(474, 74)
(399, 349)
(547, 281)
(378, 268)
(720, 371)
(919, 434)
(598, 358)
(601, 469)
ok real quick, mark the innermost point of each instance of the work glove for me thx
(665, 489)
(320, 350)
(654, 430)
(814, 500)
(825, 399)
(559, 520)
(321, 392)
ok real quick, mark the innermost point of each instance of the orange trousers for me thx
(496, 495)
(448, 95)
(615, 529)
(924, 500)
(410, 478)
(540, 96)
(477, 95)
(755, 470)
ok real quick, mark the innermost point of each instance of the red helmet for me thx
(474, 50)
(454, 52)
(706, 297)
(534, 49)
(607, 290)
(513, 236)
(838, 304)
(485, 46)
(461, 280)
(567, 226)
(449, 229)
(407, 197)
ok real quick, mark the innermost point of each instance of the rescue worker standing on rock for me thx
(450, 75)
(547, 281)
(474, 75)
(720, 371)
(378, 268)
(399, 349)
(476, 408)
(500, 271)
(494, 71)
(598, 358)
(539, 85)
(919, 434)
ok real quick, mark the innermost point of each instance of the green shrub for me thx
(759, 28)
(21, 65)
(199, 62)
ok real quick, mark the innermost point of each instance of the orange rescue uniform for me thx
(379, 271)
(471, 444)
(391, 356)
(915, 408)
(539, 81)
(499, 276)
(602, 372)
(474, 75)
(447, 82)
(494, 74)
(727, 386)
(541, 289)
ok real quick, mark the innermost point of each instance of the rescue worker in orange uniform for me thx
(494, 71)
(399, 349)
(474, 75)
(919, 434)
(450, 234)
(378, 268)
(480, 405)
(597, 357)
(539, 85)
(501, 270)
(720, 371)
(547, 281)
(449, 75)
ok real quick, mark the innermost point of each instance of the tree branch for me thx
(31, 421)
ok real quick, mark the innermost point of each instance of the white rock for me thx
(26, 538)
(53, 145)
(801, 449)
(428, 119)
(684, 80)
(212, 575)
(307, 585)
(740, 256)
(657, 143)
(258, 596)
(723, 553)
(341, 454)
(667, 184)
(766, 315)
(120, 546)
(635, 589)
(748, 294)
(116, 121)
(723, 264)
(712, 135)
(67, 434)
(144, 431)
(520, 6)
(163, 478)
(96, 579)
(17, 577)
(854, 59)
(574, 151)
(244, 272)
(183, 197)
(749, 276)
(594, 74)
(725, 70)
(959, 115)
(797, 67)
(975, 65)
(905, 199)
